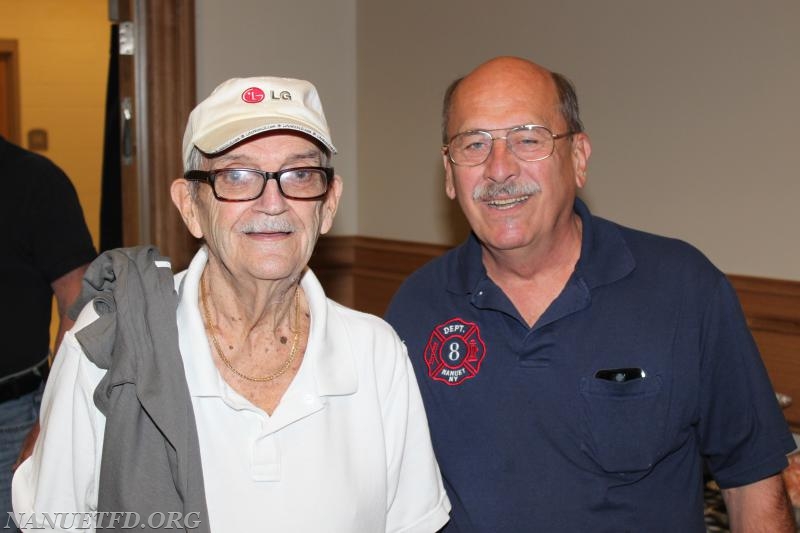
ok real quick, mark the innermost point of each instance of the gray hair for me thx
(567, 100)
(447, 105)
(196, 161)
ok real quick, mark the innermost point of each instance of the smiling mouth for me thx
(267, 234)
(506, 203)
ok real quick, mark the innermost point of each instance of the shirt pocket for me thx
(623, 422)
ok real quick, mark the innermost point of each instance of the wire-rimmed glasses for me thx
(529, 142)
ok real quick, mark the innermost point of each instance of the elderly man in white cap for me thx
(236, 396)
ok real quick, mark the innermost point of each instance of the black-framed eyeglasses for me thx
(529, 142)
(243, 184)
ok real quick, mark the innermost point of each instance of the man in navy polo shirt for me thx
(578, 374)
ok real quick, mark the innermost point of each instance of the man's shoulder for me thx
(365, 338)
(35, 166)
(661, 255)
(356, 324)
(645, 242)
(354, 317)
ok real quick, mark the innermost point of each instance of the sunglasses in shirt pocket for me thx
(623, 418)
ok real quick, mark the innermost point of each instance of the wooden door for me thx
(9, 91)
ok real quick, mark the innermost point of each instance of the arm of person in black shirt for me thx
(760, 507)
(67, 288)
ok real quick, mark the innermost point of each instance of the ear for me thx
(331, 204)
(581, 150)
(187, 206)
(449, 184)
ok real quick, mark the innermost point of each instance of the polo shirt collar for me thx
(329, 346)
(327, 361)
(605, 257)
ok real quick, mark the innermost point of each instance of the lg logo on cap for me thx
(254, 95)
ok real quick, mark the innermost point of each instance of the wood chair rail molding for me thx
(772, 309)
(364, 273)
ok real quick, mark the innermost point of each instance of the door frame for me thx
(160, 80)
(9, 63)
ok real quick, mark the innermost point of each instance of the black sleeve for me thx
(61, 238)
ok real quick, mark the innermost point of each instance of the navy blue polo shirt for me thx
(599, 417)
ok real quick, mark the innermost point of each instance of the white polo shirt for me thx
(346, 450)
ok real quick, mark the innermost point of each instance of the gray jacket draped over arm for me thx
(151, 453)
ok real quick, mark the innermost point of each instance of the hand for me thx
(27, 445)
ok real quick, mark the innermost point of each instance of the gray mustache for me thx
(267, 226)
(490, 191)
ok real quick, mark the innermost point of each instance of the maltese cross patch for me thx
(454, 352)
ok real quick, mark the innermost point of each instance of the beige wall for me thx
(63, 63)
(691, 106)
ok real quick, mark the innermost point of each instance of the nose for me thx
(501, 164)
(271, 201)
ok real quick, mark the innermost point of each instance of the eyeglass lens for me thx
(245, 184)
(529, 143)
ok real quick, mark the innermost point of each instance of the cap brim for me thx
(226, 135)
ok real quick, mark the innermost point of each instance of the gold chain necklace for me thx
(261, 379)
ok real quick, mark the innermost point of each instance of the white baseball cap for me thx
(242, 107)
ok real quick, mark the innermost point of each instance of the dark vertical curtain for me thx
(111, 193)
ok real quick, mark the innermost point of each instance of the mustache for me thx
(491, 191)
(276, 225)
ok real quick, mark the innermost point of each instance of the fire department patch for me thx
(454, 352)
